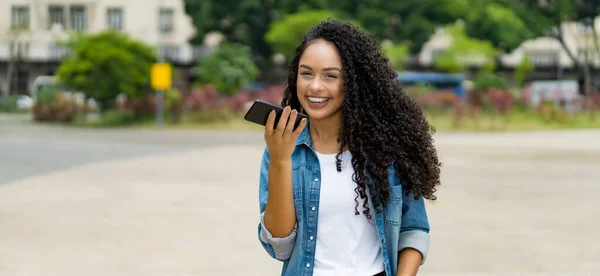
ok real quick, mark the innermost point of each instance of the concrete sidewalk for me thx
(503, 209)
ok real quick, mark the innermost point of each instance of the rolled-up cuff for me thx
(282, 247)
(418, 240)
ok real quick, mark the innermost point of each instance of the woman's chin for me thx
(318, 112)
(318, 115)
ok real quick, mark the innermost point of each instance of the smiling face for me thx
(319, 84)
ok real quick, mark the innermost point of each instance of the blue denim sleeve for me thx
(278, 248)
(414, 232)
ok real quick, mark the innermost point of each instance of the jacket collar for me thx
(304, 137)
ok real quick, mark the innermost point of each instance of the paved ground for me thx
(121, 202)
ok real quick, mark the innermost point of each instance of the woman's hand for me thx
(281, 139)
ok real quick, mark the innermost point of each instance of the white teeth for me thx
(317, 100)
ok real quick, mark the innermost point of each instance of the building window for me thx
(22, 82)
(78, 19)
(114, 18)
(58, 52)
(169, 52)
(20, 17)
(19, 81)
(544, 58)
(165, 20)
(583, 28)
(18, 50)
(57, 16)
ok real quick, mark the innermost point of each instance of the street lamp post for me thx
(159, 92)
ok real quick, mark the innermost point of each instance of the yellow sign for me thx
(161, 76)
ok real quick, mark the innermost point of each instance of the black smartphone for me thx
(259, 113)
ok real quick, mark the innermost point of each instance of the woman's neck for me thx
(324, 134)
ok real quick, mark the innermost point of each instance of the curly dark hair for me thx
(381, 125)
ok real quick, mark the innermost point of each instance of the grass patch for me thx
(110, 118)
(522, 120)
(223, 120)
(206, 120)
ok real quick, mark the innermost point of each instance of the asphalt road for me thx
(146, 202)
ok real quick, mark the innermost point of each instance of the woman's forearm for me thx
(280, 215)
(409, 261)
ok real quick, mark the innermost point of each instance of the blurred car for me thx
(44, 82)
(24, 102)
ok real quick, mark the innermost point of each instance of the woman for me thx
(343, 193)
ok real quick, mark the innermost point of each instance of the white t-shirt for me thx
(347, 244)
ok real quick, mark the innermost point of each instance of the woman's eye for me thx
(331, 76)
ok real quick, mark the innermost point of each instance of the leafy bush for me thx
(502, 101)
(438, 100)
(201, 98)
(140, 106)
(206, 98)
(595, 99)
(229, 68)
(485, 81)
(173, 98)
(108, 64)
(9, 104)
(57, 106)
(46, 96)
(236, 102)
(270, 94)
(174, 104)
(118, 117)
(204, 105)
(419, 89)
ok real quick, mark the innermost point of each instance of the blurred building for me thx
(550, 59)
(31, 29)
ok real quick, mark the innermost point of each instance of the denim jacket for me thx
(402, 224)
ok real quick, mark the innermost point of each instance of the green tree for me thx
(525, 67)
(408, 21)
(502, 22)
(243, 22)
(229, 68)
(397, 53)
(556, 12)
(505, 23)
(107, 64)
(287, 32)
(417, 20)
(464, 50)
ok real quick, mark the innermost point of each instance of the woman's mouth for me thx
(317, 102)
(317, 99)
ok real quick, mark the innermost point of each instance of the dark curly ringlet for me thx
(381, 125)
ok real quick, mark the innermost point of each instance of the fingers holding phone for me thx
(281, 138)
(270, 124)
(283, 121)
(289, 128)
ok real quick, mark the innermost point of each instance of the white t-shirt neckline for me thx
(346, 244)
